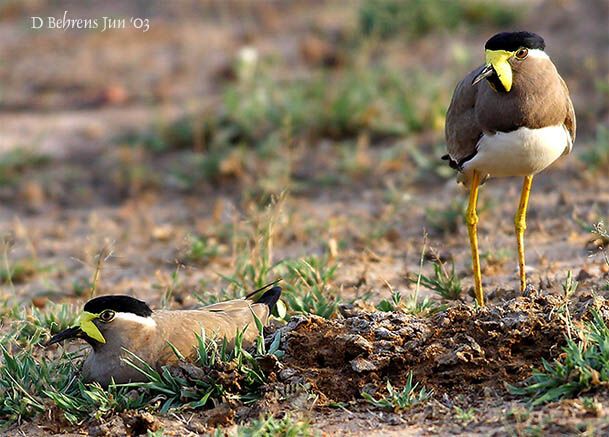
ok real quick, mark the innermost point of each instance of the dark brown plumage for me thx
(538, 98)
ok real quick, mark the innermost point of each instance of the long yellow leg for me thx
(472, 220)
(520, 224)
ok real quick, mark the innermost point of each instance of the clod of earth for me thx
(461, 350)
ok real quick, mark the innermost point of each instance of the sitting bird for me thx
(115, 324)
(510, 117)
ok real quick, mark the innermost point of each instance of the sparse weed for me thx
(269, 426)
(81, 286)
(583, 366)
(427, 163)
(410, 305)
(465, 416)
(307, 289)
(403, 400)
(498, 256)
(569, 288)
(519, 414)
(596, 157)
(169, 286)
(19, 271)
(446, 284)
(201, 249)
(446, 219)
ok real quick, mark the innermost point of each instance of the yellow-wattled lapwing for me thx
(515, 123)
(115, 324)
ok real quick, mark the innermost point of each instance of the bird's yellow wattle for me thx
(499, 60)
(85, 322)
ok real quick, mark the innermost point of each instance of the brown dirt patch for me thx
(463, 350)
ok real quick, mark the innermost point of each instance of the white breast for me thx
(522, 152)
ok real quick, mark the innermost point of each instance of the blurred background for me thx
(235, 141)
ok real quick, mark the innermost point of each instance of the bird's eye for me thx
(522, 53)
(107, 316)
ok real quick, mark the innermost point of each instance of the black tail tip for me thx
(270, 297)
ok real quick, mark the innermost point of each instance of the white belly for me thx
(522, 152)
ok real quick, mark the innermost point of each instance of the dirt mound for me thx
(461, 350)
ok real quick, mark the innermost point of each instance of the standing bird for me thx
(515, 123)
(113, 325)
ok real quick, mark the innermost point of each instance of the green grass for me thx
(416, 18)
(191, 392)
(16, 161)
(445, 283)
(201, 249)
(18, 271)
(449, 217)
(411, 305)
(270, 426)
(446, 219)
(378, 100)
(308, 289)
(465, 416)
(80, 401)
(259, 124)
(497, 256)
(584, 366)
(30, 326)
(402, 400)
(28, 381)
(596, 157)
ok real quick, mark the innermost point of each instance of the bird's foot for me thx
(529, 291)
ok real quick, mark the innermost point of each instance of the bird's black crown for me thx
(512, 41)
(118, 303)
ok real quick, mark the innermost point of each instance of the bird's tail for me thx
(270, 297)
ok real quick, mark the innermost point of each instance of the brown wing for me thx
(570, 122)
(462, 130)
(181, 328)
(227, 305)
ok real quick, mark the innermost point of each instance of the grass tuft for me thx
(446, 284)
(411, 305)
(307, 289)
(403, 400)
(269, 426)
(583, 366)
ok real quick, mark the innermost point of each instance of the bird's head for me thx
(506, 55)
(104, 316)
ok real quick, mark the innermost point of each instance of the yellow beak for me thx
(85, 322)
(498, 59)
